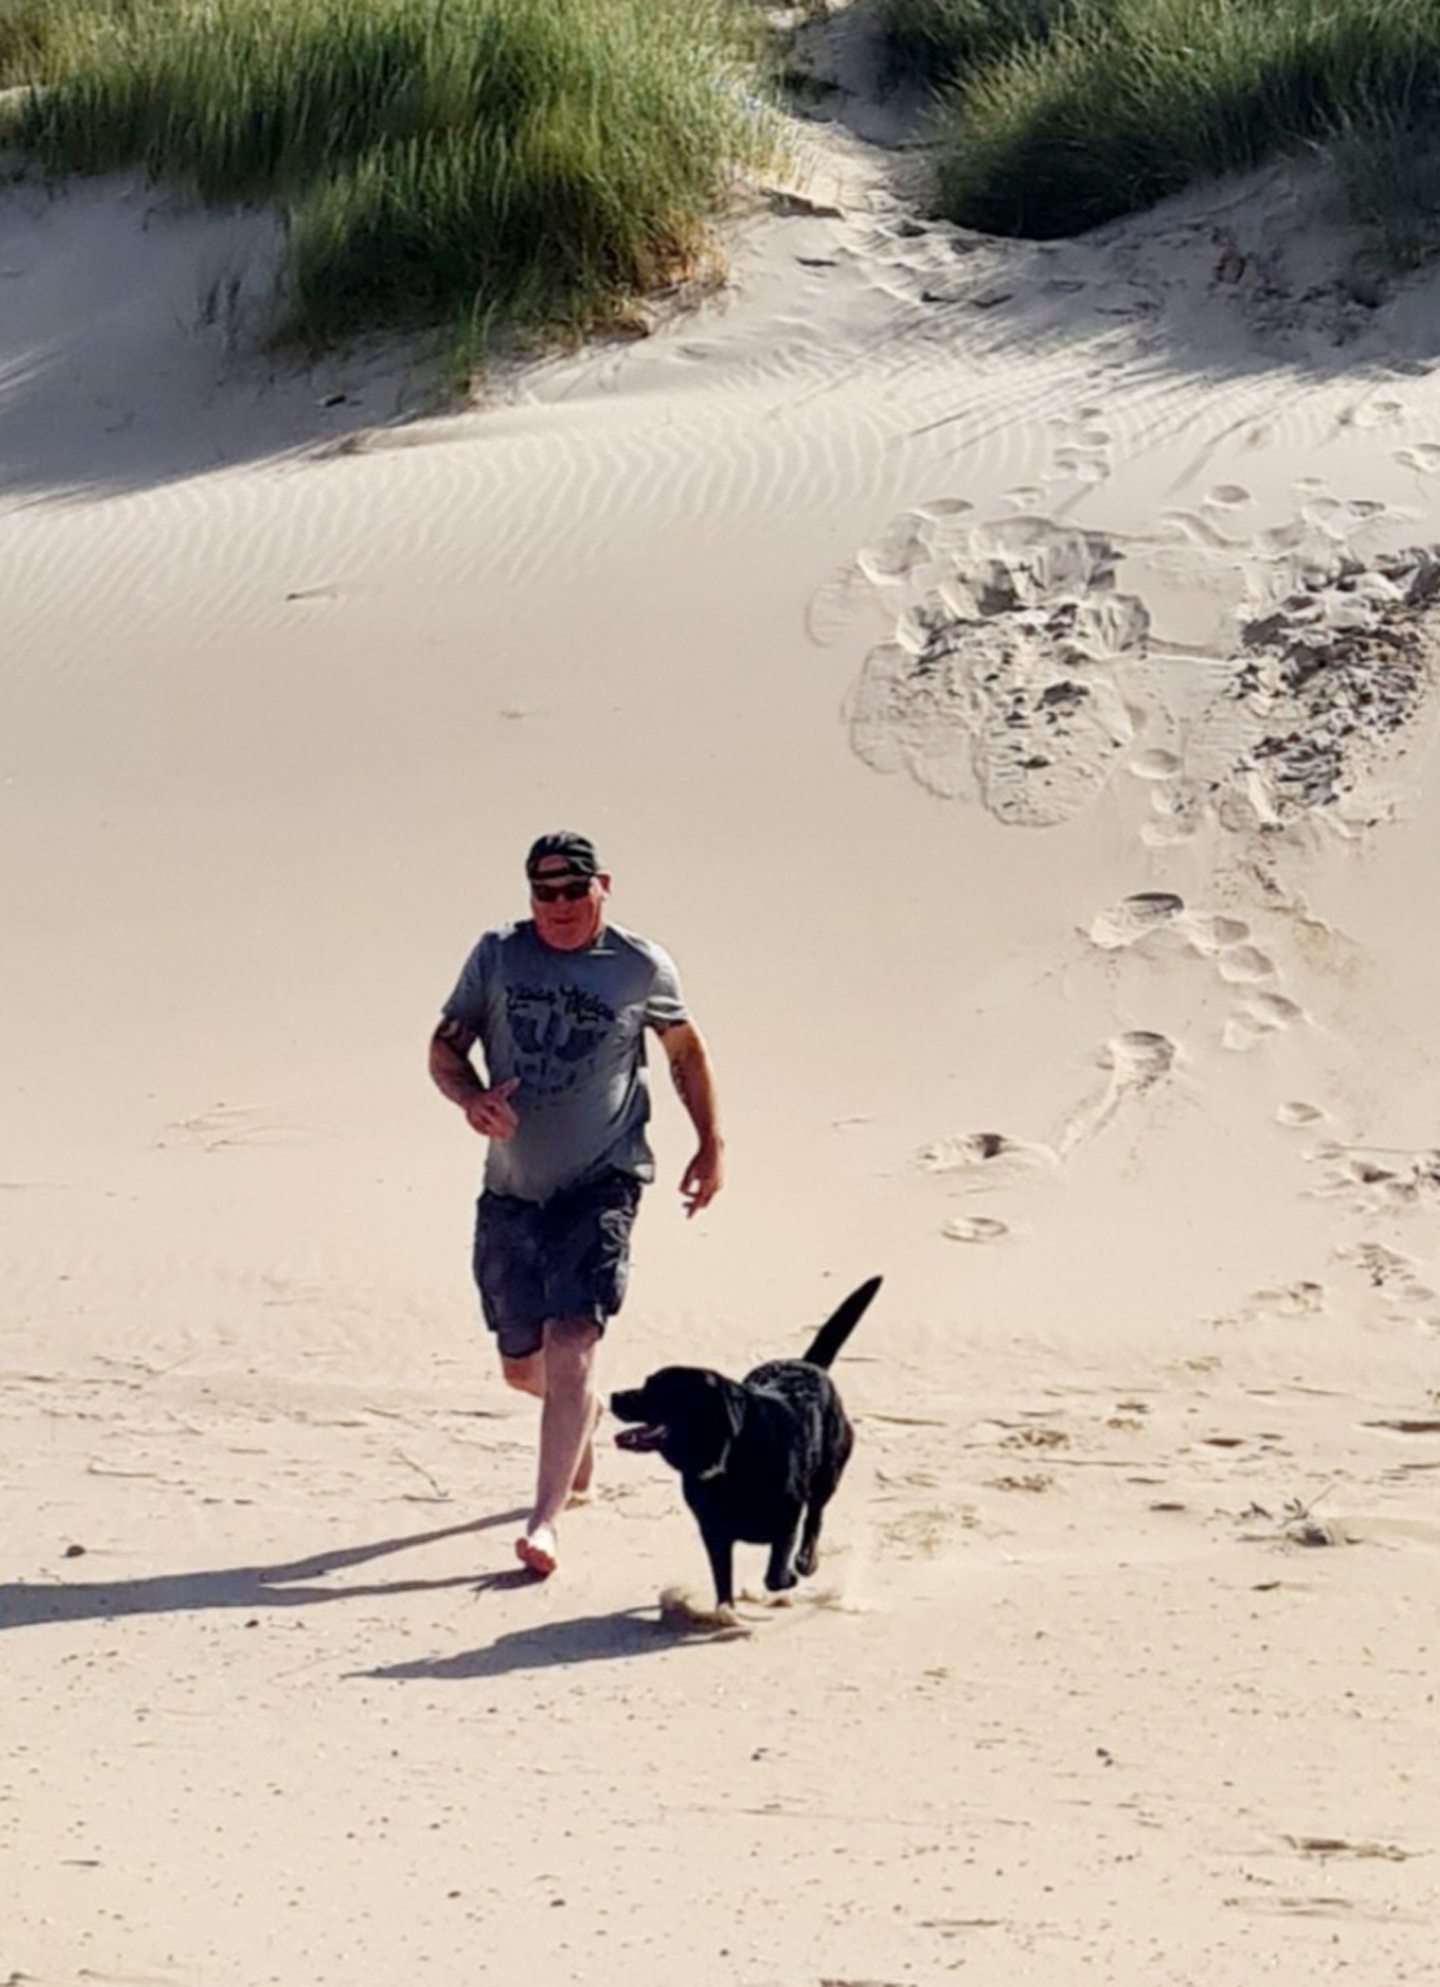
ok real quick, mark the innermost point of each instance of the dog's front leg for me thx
(721, 1548)
(780, 1573)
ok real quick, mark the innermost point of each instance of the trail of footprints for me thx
(1260, 1008)
(1132, 1063)
(1016, 675)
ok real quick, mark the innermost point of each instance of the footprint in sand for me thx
(975, 1228)
(1001, 1160)
(1177, 808)
(1302, 1299)
(1138, 1058)
(1223, 940)
(979, 1163)
(907, 553)
(1155, 764)
(1377, 1179)
(1227, 497)
(1241, 964)
(1134, 919)
(1273, 1010)
(943, 522)
(1214, 934)
(1135, 1063)
(903, 548)
(1422, 457)
(999, 682)
(1297, 1113)
(1176, 805)
(1083, 446)
(1388, 1270)
(1378, 413)
(1260, 1016)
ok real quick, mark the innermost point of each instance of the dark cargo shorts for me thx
(567, 1257)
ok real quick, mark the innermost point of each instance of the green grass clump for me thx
(490, 162)
(1123, 105)
(26, 28)
(39, 37)
(1389, 180)
(938, 41)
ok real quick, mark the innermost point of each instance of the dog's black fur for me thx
(759, 1458)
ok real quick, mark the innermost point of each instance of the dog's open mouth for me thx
(643, 1437)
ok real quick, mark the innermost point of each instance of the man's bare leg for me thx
(585, 1468)
(527, 1376)
(567, 1423)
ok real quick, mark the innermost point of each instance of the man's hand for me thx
(491, 1113)
(690, 1071)
(703, 1178)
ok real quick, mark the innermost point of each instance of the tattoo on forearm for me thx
(453, 1072)
(690, 1074)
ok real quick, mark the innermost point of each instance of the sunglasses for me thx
(552, 893)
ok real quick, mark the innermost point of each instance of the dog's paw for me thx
(768, 1599)
(678, 1611)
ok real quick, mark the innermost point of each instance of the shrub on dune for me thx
(1126, 103)
(495, 161)
(939, 40)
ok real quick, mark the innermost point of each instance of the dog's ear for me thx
(731, 1400)
(724, 1413)
(702, 1430)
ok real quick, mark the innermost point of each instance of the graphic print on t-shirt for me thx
(557, 1031)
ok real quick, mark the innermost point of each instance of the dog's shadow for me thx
(596, 1638)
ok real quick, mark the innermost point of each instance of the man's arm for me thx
(489, 1112)
(694, 1082)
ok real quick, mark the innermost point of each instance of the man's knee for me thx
(527, 1373)
(570, 1344)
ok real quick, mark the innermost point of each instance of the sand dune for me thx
(1003, 675)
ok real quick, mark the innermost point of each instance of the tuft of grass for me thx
(1122, 105)
(492, 163)
(26, 29)
(37, 37)
(939, 41)
(1388, 176)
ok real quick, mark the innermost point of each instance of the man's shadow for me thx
(26, 1604)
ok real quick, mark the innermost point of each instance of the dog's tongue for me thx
(639, 1438)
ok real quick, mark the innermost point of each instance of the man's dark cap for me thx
(578, 851)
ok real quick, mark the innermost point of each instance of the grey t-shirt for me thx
(571, 1026)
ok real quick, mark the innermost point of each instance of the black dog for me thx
(759, 1458)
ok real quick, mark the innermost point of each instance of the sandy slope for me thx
(1065, 958)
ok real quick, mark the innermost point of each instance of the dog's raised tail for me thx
(841, 1322)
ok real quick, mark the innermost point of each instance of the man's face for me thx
(568, 910)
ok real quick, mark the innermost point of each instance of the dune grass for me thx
(1388, 172)
(486, 163)
(939, 41)
(37, 36)
(1121, 104)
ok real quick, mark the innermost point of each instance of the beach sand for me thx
(1003, 676)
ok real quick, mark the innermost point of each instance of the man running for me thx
(559, 1004)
